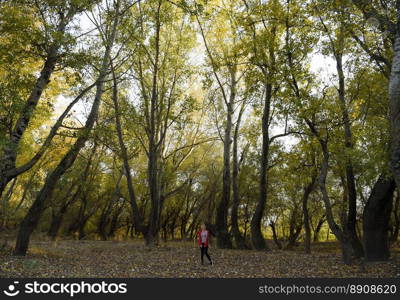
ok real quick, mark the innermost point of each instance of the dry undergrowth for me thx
(70, 258)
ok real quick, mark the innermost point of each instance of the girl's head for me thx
(203, 226)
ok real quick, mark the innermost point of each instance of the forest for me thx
(126, 124)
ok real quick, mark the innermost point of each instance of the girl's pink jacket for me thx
(199, 237)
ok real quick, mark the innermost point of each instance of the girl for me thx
(203, 237)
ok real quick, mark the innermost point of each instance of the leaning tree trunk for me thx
(257, 238)
(31, 220)
(137, 218)
(376, 220)
(4, 204)
(8, 160)
(8, 156)
(57, 216)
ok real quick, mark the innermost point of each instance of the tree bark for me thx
(223, 236)
(151, 235)
(376, 220)
(238, 237)
(103, 221)
(306, 218)
(56, 221)
(396, 217)
(394, 104)
(137, 218)
(4, 204)
(294, 229)
(317, 229)
(275, 235)
(341, 235)
(350, 179)
(114, 221)
(257, 238)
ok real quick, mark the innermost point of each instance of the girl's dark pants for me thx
(204, 250)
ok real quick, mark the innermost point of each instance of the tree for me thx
(32, 217)
(224, 63)
(337, 45)
(53, 44)
(390, 34)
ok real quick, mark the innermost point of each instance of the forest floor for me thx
(72, 258)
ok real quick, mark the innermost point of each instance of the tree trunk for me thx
(107, 209)
(257, 239)
(103, 222)
(8, 156)
(239, 240)
(340, 234)
(294, 230)
(114, 221)
(350, 226)
(56, 221)
(54, 226)
(306, 218)
(4, 204)
(57, 216)
(396, 217)
(81, 229)
(137, 218)
(223, 236)
(274, 235)
(151, 235)
(394, 105)
(10, 152)
(376, 220)
(29, 223)
(318, 229)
